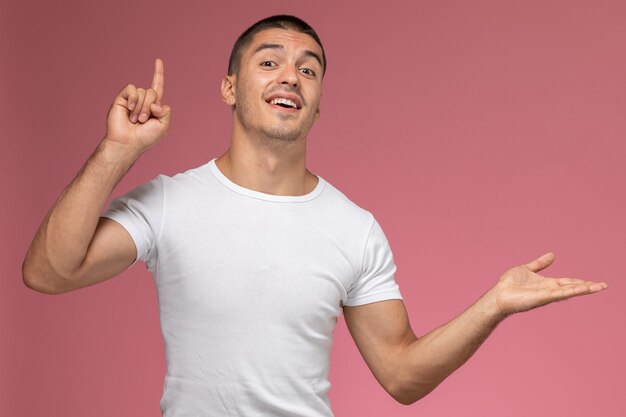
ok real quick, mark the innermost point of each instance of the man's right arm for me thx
(74, 247)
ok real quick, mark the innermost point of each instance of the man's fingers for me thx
(542, 262)
(590, 286)
(572, 287)
(160, 110)
(134, 114)
(158, 80)
(598, 286)
(130, 96)
(144, 112)
(139, 101)
(571, 281)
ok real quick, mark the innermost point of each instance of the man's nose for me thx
(289, 75)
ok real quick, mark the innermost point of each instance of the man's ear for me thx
(228, 89)
(317, 113)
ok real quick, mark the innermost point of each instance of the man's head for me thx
(273, 22)
(274, 83)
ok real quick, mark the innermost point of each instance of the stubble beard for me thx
(276, 132)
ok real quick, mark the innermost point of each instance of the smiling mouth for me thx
(284, 103)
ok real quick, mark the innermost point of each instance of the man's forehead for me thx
(285, 38)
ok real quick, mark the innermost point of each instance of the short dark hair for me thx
(281, 21)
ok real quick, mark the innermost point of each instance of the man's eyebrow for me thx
(279, 46)
(314, 55)
(268, 46)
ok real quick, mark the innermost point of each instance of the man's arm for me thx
(74, 247)
(409, 367)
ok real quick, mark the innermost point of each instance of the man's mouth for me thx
(284, 102)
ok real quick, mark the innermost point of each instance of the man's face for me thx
(277, 90)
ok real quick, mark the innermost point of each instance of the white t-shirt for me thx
(250, 286)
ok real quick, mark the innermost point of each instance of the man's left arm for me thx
(409, 367)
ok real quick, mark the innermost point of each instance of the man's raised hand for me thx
(138, 119)
(521, 288)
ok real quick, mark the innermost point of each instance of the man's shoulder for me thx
(199, 173)
(341, 203)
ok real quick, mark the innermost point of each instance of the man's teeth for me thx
(285, 101)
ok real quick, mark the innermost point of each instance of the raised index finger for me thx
(158, 80)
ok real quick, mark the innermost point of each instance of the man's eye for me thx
(308, 71)
(268, 64)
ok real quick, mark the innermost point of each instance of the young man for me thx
(255, 257)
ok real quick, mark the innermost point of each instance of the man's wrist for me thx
(490, 308)
(111, 153)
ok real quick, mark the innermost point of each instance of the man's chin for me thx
(285, 138)
(283, 135)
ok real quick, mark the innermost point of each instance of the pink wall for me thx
(480, 133)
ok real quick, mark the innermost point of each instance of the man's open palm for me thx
(521, 288)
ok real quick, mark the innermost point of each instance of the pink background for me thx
(480, 133)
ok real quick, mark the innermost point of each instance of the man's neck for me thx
(270, 168)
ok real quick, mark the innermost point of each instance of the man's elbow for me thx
(407, 398)
(409, 393)
(37, 279)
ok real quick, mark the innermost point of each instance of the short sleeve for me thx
(376, 281)
(140, 213)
